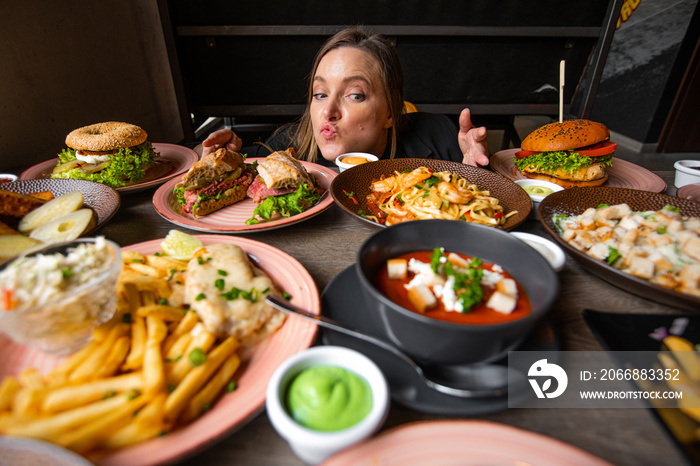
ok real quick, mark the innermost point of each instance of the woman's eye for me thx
(319, 95)
(357, 97)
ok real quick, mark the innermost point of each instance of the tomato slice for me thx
(596, 150)
(521, 154)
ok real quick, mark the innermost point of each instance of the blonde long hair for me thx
(391, 77)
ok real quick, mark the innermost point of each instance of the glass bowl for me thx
(54, 297)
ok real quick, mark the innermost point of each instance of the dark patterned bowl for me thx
(102, 199)
(357, 180)
(574, 201)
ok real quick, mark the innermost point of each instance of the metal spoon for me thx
(283, 305)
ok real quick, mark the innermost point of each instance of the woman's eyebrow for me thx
(347, 79)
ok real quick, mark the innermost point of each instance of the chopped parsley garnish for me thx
(235, 293)
(613, 255)
(467, 284)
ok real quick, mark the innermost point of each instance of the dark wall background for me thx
(68, 64)
(633, 97)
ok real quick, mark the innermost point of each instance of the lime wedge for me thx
(179, 245)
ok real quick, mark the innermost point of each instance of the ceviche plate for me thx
(351, 187)
(575, 201)
(234, 409)
(232, 219)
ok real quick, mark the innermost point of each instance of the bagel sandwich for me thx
(569, 153)
(218, 180)
(113, 153)
(283, 186)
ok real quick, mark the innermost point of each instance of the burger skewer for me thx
(562, 66)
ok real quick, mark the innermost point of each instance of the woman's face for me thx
(349, 110)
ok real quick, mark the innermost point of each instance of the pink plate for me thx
(690, 192)
(174, 160)
(463, 443)
(232, 219)
(622, 174)
(234, 409)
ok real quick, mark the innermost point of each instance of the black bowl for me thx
(432, 341)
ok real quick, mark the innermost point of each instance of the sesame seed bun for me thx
(106, 136)
(567, 135)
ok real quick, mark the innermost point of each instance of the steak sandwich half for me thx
(217, 180)
(283, 186)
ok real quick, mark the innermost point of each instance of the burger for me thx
(114, 153)
(218, 180)
(283, 186)
(569, 153)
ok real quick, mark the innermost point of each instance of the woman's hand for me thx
(472, 141)
(221, 138)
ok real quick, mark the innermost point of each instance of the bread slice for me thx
(227, 198)
(211, 167)
(281, 169)
(18, 205)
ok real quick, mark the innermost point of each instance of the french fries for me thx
(147, 371)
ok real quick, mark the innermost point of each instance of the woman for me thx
(355, 104)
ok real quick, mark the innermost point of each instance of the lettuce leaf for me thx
(127, 166)
(285, 205)
(567, 161)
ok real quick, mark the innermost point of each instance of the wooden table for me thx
(327, 244)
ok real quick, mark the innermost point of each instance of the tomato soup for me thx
(480, 314)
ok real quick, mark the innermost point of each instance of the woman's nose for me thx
(331, 111)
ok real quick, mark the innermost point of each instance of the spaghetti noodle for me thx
(424, 194)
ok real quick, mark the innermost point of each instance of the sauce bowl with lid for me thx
(72, 290)
(310, 445)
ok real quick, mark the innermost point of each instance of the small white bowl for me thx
(687, 172)
(553, 253)
(7, 177)
(535, 198)
(313, 446)
(363, 155)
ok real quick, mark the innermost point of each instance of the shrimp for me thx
(399, 214)
(455, 194)
(400, 182)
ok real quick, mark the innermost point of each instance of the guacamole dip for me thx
(328, 398)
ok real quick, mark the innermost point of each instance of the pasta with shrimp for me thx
(424, 194)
